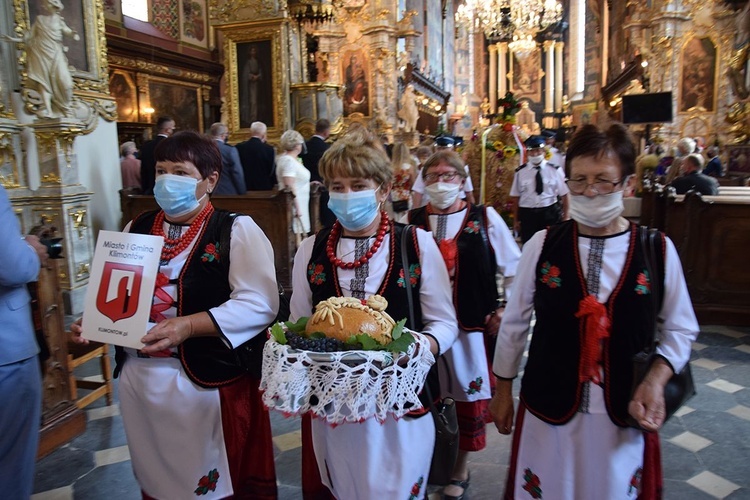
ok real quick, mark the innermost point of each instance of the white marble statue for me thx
(409, 112)
(47, 66)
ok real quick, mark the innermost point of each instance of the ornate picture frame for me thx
(88, 54)
(698, 88)
(584, 114)
(355, 73)
(254, 76)
(181, 101)
(122, 87)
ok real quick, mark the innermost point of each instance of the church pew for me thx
(271, 210)
(712, 234)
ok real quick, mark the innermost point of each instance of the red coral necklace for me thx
(175, 246)
(333, 239)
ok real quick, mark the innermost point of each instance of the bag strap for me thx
(655, 268)
(405, 265)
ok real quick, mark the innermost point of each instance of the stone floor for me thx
(705, 448)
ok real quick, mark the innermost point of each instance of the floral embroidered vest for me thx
(203, 284)
(474, 287)
(550, 388)
(324, 283)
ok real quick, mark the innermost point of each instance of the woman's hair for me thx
(685, 146)
(357, 154)
(616, 142)
(198, 149)
(401, 155)
(127, 147)
(445, 156)
(290, 140)
(424, 152)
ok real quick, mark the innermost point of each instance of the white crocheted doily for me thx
(348, 386)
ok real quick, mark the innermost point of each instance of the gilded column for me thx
(502, 69)
(549, 107)
(493, 78)
(558, 76)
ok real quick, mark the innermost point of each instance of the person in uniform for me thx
(538, 193)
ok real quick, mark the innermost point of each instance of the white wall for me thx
(98, 158)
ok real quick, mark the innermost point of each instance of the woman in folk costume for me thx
(194, 420)
(358, 257)
(587, 279)
(475, 243)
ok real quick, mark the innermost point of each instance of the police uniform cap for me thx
(444, 141)
(535, 141)
(547, 133)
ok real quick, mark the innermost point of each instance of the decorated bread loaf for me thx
(342, 317)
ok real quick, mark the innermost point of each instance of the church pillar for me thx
(558, 76)
(493, 78)
(502, 69)
(550, 74)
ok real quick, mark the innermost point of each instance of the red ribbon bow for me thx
(595, 329)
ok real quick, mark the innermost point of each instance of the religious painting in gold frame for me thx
(256, 86)
(355, 71)
(527, 75)
(583, 114)
(183, 102)
(698, 82)
(122, 88)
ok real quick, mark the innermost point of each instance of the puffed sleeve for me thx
(506, 249)
(254, 299)
(301, 302)
(514, 329)
(679, 327)
(438, 313)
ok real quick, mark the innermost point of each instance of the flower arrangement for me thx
(502, 150)
(508, 106)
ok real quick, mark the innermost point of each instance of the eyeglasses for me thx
(445, 176)
(578, 186)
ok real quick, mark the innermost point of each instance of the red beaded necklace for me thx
(333, 239)
(173, 247)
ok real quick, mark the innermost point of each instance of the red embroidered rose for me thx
(532, 484)
(551, 275)
(207, 483)
(316, 274)
(211, 253)
(643, 281)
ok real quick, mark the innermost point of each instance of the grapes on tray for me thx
(300, 342)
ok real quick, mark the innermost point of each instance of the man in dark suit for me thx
(164, 128)
(257, 160)
(316, 146)
(713, 168)
(232, 179)
(693, 179)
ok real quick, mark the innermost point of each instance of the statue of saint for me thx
(409, 112)
(525, 118)
(485, 107)
(47, 67)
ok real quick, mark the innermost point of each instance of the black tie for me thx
(539, 183)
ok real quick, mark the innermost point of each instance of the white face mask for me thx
(536, 160)
(443, 194)
(597, 211)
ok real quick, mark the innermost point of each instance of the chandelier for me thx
(518, 21)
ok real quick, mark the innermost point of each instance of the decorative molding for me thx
(160, 69)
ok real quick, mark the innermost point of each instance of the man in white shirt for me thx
(539, 193)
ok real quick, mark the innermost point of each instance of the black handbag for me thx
(443, 412)
(680, 387)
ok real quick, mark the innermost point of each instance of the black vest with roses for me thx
(324, 283)
(203, 284)
(474, 286)
(550, 388)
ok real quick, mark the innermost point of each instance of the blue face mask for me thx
(355, 210)
(175, 194)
